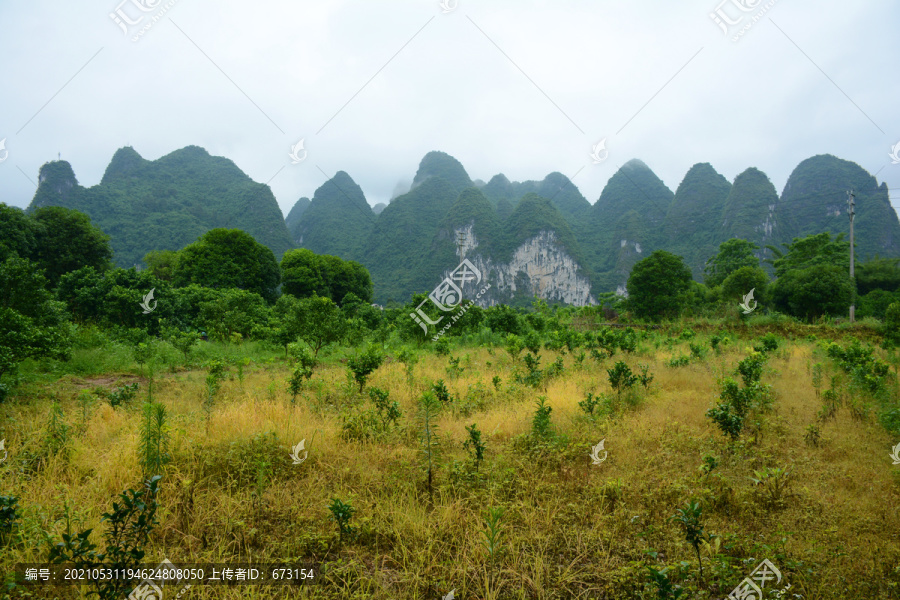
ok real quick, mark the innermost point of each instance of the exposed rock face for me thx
(539, 267)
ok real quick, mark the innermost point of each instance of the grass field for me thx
(534, 519)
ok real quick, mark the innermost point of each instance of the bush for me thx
(365, 364)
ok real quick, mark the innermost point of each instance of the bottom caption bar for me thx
(144, 580)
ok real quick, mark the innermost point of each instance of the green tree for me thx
(813, 250)
(18, 233)
(813, 276)
(32, 324)
(657, 286)
(229, 258)
(66, 241)
(740, 282)
(322, 322)
(305, 273)
(733, 254)
(814, 291)
(233, 311)
(162, 263)
(878, 274)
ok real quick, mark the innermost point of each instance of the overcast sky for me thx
(519, 87)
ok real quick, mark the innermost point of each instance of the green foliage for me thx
(645, 378)
(474, 444)
(740, 282)
(9, 514)
(388, 412)
(751, 368)
(215, 375)
(183, 341)
(812, 435)
(153, 445)
(32, 325)
(664, 588)
(230, 312)
(66, 241)
(891, 327)
(621, 378)
(129, 526)
(541, 426)
(534, 376)
(774, 485)
(305, 273)
(429, 409)
(304, 362)
(679, 361)
(122, 395)
(493, 532)
(338, 221)
(657, 285)
(341, 513)
(767, 343)
(162, 263)
(166, 203)
(441, 392)
(514, 345)
(442, 347)
(690, 519)
(229, 258)
(733, 255)
(590, 403)
(729, 420)
(503, 319)
(322, 322)
(365, 364)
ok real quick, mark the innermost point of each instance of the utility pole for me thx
(851, 200)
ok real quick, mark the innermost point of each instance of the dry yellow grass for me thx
(571, 529)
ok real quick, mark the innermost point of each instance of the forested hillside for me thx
(167, 203)
(415, 240)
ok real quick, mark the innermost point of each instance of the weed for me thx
(496, 381)
(429, 408)
(474, 444)
(664, 588)
(541, 427)
(681, 360)
(409, 360)
(813, 436)
(454, 370)
(122, 395)
(341, 513)
(690, 518)
(645, 378)
(710, 463)
(775, 484)
(9, 514)
(214, 378)
(57, 436)
(697, 351)
(154, 440)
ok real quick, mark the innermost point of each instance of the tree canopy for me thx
(306, 273)
(657, 286)
(229, 258)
